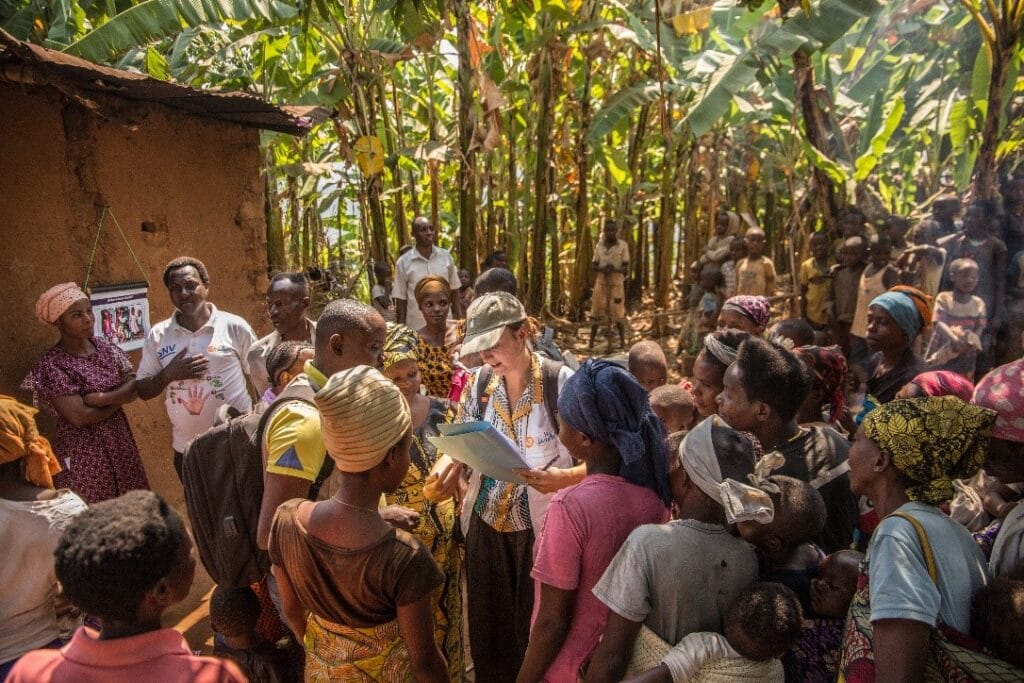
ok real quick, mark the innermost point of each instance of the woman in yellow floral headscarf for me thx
(32, 518)
(921, 567)
(421, 490)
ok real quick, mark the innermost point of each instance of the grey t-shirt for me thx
(677, 578)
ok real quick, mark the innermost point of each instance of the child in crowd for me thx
(688, 337)
(785, 544)
(945, 210)
(674, 407)
(792, 332)
(762, 392)
(717, 249)
(761, 625)
(284, 363)
(1012, 343)
(997, 618)
(876, 279)
(755, 274)
(832, 590)
(607, 424)
(647, 363)
(815, 277)
(712, 284)
(921, 265)
(125, 561)
(233, 616)
(843, 290)
(960, 320)
(737, 252)
(466, 291)
(380, 294)
(380, 626)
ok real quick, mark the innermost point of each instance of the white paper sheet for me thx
(482, 447)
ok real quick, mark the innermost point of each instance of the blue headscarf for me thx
(902, 309)
(608, 405)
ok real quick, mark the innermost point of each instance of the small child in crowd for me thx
(755, 274)
(284, 362)
(717, 249)
(792, 333)
(466, 291)
(737, 252)
(125, 561)
(843, 290)
(674, 407)
(788, 555)
(761, 625)
(380, 294)
(997, 618)
(921, 265)
(960, 319)
(832, 590)
(815, 276)
(712, 284)
(648, 364)
(877, 278)
(233, 616)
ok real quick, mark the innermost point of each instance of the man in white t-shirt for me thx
(422, 260)
(197, 357)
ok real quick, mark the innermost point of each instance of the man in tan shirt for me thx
(608, 302)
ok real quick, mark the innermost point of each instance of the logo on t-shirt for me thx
(166, 351)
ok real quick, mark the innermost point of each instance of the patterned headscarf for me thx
(431, 284)
(828, 368)
(1002, 390)
(932, 441)
(756, 308)
(20, 438)
(945, 383)
(399, 344)
(52, 303)
(607, 404)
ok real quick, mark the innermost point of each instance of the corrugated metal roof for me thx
(49, 67)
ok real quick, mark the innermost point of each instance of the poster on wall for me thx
(122, 313)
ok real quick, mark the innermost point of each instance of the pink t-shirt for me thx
(585, 526)
(160, 656)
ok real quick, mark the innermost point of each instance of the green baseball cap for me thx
(487, 318)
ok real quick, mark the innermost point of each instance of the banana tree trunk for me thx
(467, 156)
(985, 175)
(276, 257)
(402, 229)
(584, 239)
(542, 208)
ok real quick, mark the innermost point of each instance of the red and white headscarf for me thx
(1002, 390)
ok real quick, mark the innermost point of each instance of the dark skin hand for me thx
(901, 650)
(181, 367)
(553, 621)
(611, 657)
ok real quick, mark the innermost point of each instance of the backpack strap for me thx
(549, 370)
(483, 379)
(926, 546)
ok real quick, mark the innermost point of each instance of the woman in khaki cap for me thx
(501, 519)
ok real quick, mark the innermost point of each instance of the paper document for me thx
(482, 447)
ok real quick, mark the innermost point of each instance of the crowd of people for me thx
(828, 496)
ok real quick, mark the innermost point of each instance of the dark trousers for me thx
(500, 594)
(179, 459)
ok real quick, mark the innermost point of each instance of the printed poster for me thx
(122, 313)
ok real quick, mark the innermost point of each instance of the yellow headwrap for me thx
(431, 284)
(399, 344)
(20, 438)
(932, 441)
(362, 416)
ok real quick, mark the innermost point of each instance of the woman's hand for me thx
(553, 478)
(444, 483)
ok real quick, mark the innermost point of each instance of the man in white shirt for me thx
(287, 301)
(197, 357)
(422, 260)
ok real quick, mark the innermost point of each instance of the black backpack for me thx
(549, 370)
(222, 475)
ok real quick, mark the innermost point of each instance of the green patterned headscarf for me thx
(932, 441)
(399, 344)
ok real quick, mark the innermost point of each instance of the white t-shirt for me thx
(225, 341)
(898, 576)
(29, 532)
(412, 267)
(677, 578)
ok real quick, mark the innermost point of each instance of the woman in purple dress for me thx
(83, 381)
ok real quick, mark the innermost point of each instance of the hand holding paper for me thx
(482, 447)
